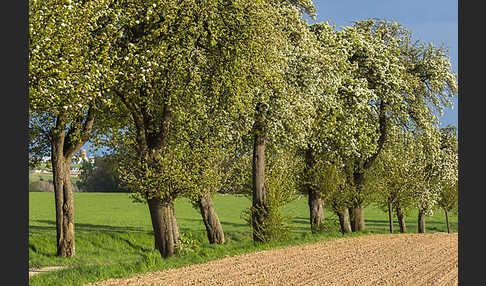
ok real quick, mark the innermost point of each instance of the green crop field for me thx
(114, 238)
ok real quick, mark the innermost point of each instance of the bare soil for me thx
(391, 259)
(34, 271)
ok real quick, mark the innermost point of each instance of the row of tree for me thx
(195, 96)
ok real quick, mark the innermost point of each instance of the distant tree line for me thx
(99, 176)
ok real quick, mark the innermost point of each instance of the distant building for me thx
(83, 158)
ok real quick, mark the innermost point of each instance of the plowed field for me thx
(397, 259)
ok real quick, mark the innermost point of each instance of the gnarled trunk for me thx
(401, 218)
(164, 223)
(390, 216)
(211, 221)
(175, 226)
(356, 218)
(67, 247)
(259, 202)
(421, 222)
(64, 145)
(343, 216)
(64, 201)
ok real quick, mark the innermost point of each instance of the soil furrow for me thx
(391, 259)
(400, 263)
(363, 260)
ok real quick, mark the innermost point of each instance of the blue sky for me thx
(429, 20)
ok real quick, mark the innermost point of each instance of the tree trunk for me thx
(211, 221)
(64, 145)
(175, 226)
(164, 225)
(447, 221)
(316, 214)
(401, 219)
(259, 203)
(343, 216)
(67, 248)
(356, 212)
(64, 200)
(315, 208)
(421, 222)
(390, 216)
(58, 179)
(356, 218)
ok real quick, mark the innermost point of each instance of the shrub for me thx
(187, 244)
(276, 226)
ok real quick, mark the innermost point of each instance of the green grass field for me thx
(114, 238)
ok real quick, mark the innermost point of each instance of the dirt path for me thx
(34, 271)
(401, 259)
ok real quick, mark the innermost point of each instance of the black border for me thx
(14, 209)
(471, 142)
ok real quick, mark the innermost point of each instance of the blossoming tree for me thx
(69, 72)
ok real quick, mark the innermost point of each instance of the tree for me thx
(69, 71)
(325, 142)
(391, 92)
(392, 176)
(282, 169)
(100, 176)
(278, 105)
(210, 154)
(448, 172)
(329, 175)
(156, 55)
(177, 63)
(424, 191)
(347, 111)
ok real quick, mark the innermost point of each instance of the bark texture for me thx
(401, 218)
(259, 202)
(356, 211)
(64, 205)
(343, 216)
(211, 221)
(357, 218)
(421, 222)
(164, 223)
(175, 225)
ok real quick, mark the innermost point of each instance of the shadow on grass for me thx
(301, 220)
(181, 222)
(87, 227)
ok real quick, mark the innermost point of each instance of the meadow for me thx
(114, 235)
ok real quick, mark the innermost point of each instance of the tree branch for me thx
(381, 140)
(77, 136)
